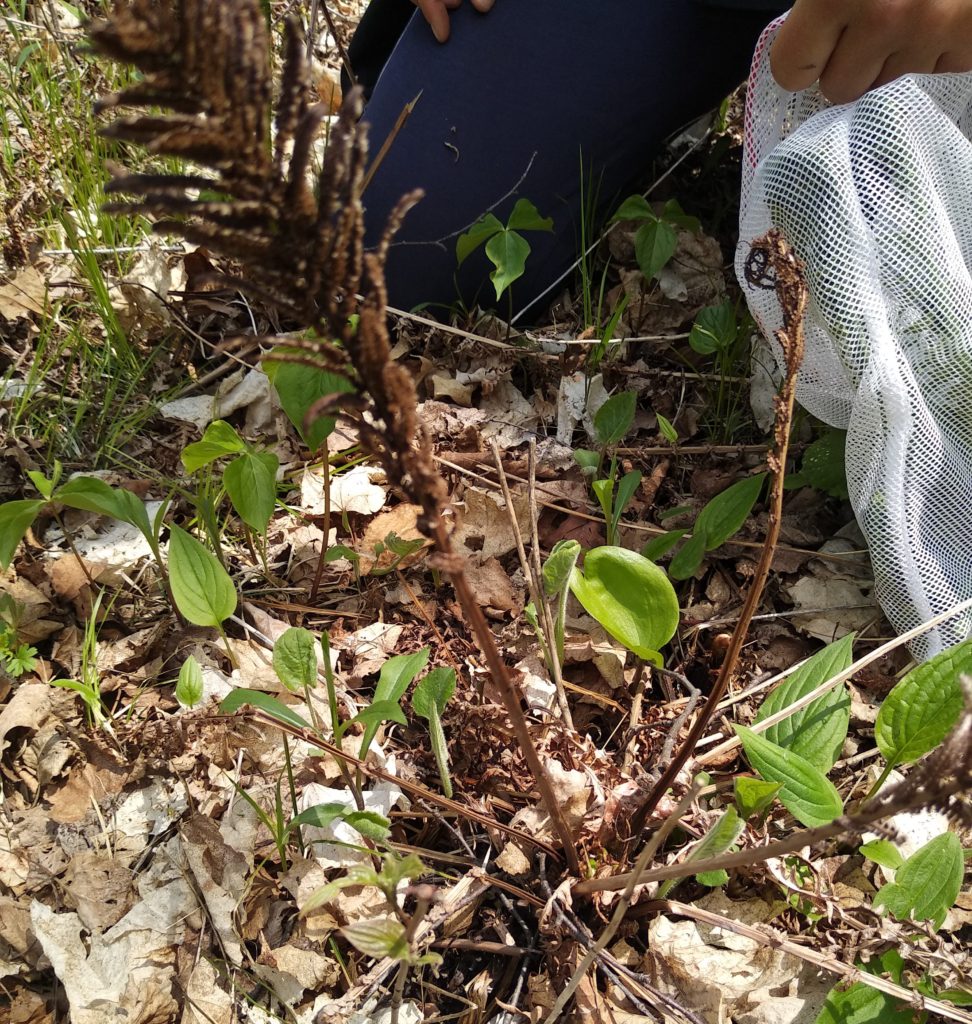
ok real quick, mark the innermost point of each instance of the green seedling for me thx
(16, 658)
(611, 423)
(719, 839)
(189, 685)
(431, 695)
(504, 245)
(88, 684)
(656, 239)
(630, 597)
(720, 519)
(717, 332)
(250, 477)
(822, 465)
(555, 575)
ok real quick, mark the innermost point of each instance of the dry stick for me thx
(791, 289)
(641, 865)
(773, 940)
(508, 692)
(325, 540)
(405, 114)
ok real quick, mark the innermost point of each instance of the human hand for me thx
(436, 13)
(852, 46)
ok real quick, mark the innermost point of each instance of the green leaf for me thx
(627, 486)
(189, 686)
(630, 597)
(688, 558)
(604, 492)
(370, 824)
(251, 483)
(219, 439)
(398, 672)
(265, 702)
(508, 253)
(816, 733)
(299, 387)
(715, 329)
(922, 709)
(655, 243)
(559, 565)
(15, 520)
(526, 217)
(634, 208)
(201, 587)
(753, 796)
(479, 234)
(378, 937)
(928, 882)
(861, 1004)
(374, 714)
(613, 420)
(434, 691)
(338, 551)
(659, 546)
(674, 214)
(823, 465)
(806, 792)
(295, 659)
(43, 485)
(883, 852)
(667, 429)
(93, 495)
(587, 460)
(715, 842)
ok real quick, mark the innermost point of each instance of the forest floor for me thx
(183, 835)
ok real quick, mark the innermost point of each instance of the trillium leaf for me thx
(655, 244)
(508, 252)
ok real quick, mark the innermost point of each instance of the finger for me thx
(483, 5)
(907, 63)
(436, 14)
(855, 64)
(954, 62)
(808, 37)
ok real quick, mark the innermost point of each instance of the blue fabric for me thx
(506, 108)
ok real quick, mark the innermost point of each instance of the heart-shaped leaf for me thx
(614, 418)
(655, 244)
(630, 597)
(299, 386)
(805, 791)
(508, 252)
(201, 587)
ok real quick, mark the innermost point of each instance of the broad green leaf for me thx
(928, 882)
(189, 686)
(753, 796)
(370, 824)
(398, 672)
(526, 217)
(480, 233)
(884, 853)
(299, 387)
(134, 512)
(270, 705)
(630, 597)
(434, 691)
(378, 937)
(320, 815)
(715, 329)
(94, 495)
(559, 565)
(672, 212)
(823, 465)
(15, 520)
(627, 486)
(655, 243)
(861, 1004)
(659, 546)
(587, 460)
(41, 482)
(818, 731)
(805, 791)
(667, 429)
(295, 659)
(922, 709)
(218, 440)
(716, 841)
(634, 208)
(338, 551)
(613, 420)
(508, 253)
(688, 558)
(251, 483)
(374, 714)
(725, 514)
(201, 587)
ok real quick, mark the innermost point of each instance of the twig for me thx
(788, 280)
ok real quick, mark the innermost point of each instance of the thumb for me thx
(437, 16)
(483, 5)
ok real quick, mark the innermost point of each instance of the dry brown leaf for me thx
(484, 527)
(25, 293)
(206, 1002)
(401, 520)
(99, 888)
(493, 587)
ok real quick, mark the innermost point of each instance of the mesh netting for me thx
(876, 197)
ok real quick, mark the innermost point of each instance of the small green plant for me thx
(720, 518)
(250, 477)
(656, 239)
(504, 245)
(16, 658)
(611, 423)
(556, 575)
(720, 838)
(88, 684)
(823, 465)
(717, 332)
(630, 597)
(189, 685)
(431, 695)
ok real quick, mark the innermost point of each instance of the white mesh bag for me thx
(876, 198)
